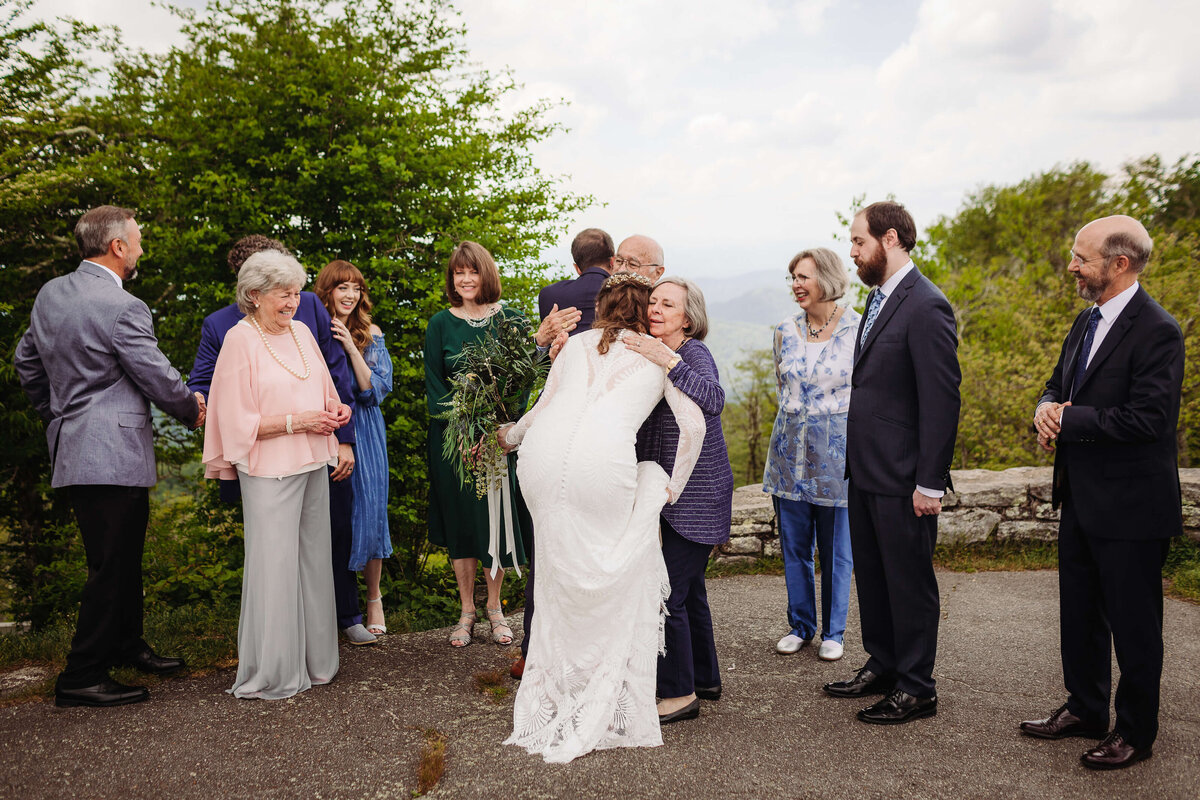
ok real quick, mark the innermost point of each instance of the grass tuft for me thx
(493, 683)
(432, 762)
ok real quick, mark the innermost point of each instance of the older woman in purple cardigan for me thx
(700, 518)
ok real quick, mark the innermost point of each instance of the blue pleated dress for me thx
(370, 476)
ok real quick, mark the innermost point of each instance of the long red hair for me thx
(334, 274)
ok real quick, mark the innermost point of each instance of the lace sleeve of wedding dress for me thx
(516, 433)
(691, 423)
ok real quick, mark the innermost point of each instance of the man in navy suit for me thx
(900, 432)
(1112, 407)
(592, 251)
(311, 312)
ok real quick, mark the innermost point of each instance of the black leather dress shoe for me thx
(710, 693)
(105, 693)
(690, 711)
(1060, 725)
(898, 707)
(863, 683)
(149, 661)
(1114, 753)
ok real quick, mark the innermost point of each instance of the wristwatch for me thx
(674, 362)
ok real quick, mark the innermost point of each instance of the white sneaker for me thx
(790, 644)
(830, 650)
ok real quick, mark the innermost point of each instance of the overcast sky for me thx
(734, 131)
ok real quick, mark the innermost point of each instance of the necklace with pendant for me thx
(817, 331)
(274, 355)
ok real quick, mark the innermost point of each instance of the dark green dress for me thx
(458, 520)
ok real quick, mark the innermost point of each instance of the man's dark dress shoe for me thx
(865, 682)
(1114, 753)
(105, 693)
(149, 661)
(1060, 725)
(690, 711)
(517, 670)
(709, 693)
(898, 707)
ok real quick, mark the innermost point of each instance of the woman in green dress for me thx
(458, 520)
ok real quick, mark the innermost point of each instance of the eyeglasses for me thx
(791, 280)
(632, 263)
(1075, 257)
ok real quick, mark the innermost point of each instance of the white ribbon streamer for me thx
(500, 507)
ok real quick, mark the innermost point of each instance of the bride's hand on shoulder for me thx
(650, 348)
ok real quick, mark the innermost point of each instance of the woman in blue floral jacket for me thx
(806, 465)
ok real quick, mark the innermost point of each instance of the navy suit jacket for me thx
(904, 400)
(578, 292)
(1117, 456)
(311, 312)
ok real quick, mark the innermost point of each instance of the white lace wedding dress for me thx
(601, 583)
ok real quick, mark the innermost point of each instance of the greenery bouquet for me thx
(495, 378)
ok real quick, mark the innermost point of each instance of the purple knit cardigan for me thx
(703, 512)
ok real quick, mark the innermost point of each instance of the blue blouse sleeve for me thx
(696, 376)
(380, 362)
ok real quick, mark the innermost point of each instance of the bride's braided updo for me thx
(622, 303)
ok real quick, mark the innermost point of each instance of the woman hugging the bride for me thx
(589, 680)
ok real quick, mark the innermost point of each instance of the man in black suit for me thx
(1112, 406)
(900, 433)
(592, 251)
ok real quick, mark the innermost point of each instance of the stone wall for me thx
(1011, 504)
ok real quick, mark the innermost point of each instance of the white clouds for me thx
(725, 127)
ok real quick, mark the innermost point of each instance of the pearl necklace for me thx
(480, 322)
(274, 355)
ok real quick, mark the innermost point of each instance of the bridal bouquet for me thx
(496, 375)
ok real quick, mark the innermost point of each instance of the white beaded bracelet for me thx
(288, 423)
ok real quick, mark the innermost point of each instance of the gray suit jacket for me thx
(91, 366)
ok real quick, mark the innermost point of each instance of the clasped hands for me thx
(324, 422)
(1047, 419)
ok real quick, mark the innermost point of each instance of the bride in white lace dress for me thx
(601, 582)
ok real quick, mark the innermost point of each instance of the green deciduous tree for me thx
(749, 415)
(354, 131)
(1002, 261)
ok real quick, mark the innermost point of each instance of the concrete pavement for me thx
(773, 735)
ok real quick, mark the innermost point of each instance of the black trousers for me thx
(341, 529)
(112, 522)
(898, 598)
(691, 658)
(1110, 595)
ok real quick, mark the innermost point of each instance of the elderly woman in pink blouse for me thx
(272, 411)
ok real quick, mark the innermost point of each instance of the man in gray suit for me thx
(91, 366)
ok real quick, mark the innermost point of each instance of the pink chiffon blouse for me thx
(249, 384)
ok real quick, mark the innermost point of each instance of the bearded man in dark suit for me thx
(1112, 408)
(900, 433)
